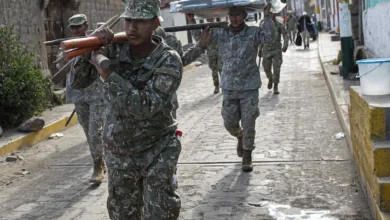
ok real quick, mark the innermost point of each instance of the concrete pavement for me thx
(301, 170)
(339, 88)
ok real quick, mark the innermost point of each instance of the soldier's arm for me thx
(61, 64)
(283, 31)
(195, 33)
(180, 49)
(157, 93)
(266, 33)
(192, 54)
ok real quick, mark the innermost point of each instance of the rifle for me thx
(61, 73)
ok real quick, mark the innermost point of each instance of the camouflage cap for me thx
(141, 9)
(237, 10)
(78, 19)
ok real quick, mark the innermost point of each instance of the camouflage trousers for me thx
(90, 116)
(216, 68)
(146, 193)
(241, 106)
(272, 58)
(291, 34)
(175, 104)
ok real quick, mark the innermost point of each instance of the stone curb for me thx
(376, 213)
(332, 91)
(33, 138)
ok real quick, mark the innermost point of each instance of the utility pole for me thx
(346, 37)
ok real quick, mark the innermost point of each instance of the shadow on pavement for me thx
(227, 197)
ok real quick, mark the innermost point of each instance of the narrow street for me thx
(301, 170)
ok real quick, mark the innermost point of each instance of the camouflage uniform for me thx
(292, 27)
(240, 78)
(272, 53)
(88, 102)
(215, 61)
(141, 148)
(186, 58)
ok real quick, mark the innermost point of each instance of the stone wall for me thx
(101, 11)
(370, 135)
(29, 16)
(28, 19)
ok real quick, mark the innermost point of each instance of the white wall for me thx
(179, 19)
(175, 19)
(168, 18)
(377, 29)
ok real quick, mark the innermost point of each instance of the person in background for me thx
(305, 27)
(88, 102)
(186, 57)
(272, 55)
(291, 24)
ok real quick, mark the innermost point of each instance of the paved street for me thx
(301, 170)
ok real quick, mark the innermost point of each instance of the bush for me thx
(22, 85)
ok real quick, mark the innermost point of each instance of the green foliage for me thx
(22, 85)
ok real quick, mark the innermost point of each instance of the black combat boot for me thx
(216, 90)
(247, 165)
(270, 82)
(276, 90)
(240, 149)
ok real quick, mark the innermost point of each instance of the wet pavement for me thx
(301, 170)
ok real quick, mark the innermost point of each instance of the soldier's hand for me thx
(205, 37)
(105, 35)
(259, 54)
(267, 9)
(104, 73)
(284, 50)
(190, 17)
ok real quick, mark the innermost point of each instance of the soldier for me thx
(186, 58)
(141, 148)
(291, 25)
(272, 53)
(88, 102)
(240, 78)
(215, 63)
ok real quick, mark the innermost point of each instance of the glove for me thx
(105, 35)
(284, 50)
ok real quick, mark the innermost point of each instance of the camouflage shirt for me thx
(186, 57)
(212, 49)
(91, 93)
(238, 51)
(138, 98)
(276, 44)
(292, 22)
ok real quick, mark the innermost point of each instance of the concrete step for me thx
(335, 38)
